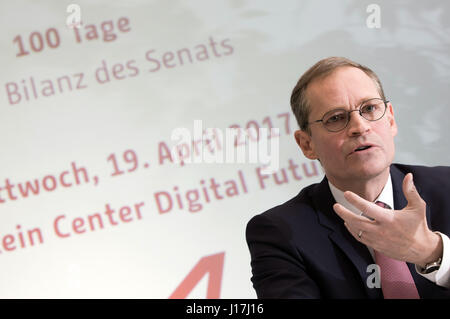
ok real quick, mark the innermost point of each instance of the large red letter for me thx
(213, 265)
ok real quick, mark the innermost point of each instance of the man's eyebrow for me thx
(367, 99)
(362, 100)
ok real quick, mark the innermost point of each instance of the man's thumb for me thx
(410, 191)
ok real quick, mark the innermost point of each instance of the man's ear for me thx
(391, 119)
(304, 141)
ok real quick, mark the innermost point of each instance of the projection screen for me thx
(139, 137)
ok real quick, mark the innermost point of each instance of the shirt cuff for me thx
(441, 277)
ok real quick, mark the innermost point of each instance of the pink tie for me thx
(396, 279)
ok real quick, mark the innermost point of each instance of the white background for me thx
(273, 43)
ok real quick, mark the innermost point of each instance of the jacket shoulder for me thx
(423, 170)
(304, 198)
(427, 176)
(300, 207)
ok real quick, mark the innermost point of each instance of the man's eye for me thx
(370, 108)
(335, 118)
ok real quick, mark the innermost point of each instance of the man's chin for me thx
(367, 172)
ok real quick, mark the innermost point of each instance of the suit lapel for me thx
(397, 180)
(339, 235)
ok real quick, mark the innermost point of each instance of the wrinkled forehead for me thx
(345, 87)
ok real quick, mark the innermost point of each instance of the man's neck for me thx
(368, 189)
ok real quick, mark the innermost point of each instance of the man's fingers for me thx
(361, 229)
(344, 213)
(369, 209)
(351, 219)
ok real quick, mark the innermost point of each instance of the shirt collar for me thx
(386, 196)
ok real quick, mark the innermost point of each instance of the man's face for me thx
(348, 87)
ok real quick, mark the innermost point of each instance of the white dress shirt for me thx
(441, 276)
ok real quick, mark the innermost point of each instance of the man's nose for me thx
(357, 124)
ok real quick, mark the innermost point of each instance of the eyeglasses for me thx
(336, 120)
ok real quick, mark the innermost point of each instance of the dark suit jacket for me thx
(301, 249)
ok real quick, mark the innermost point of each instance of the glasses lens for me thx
(335, 120)
(373, 110)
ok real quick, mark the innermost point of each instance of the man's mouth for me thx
(362, 148)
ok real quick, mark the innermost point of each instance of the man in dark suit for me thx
(370, 229)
